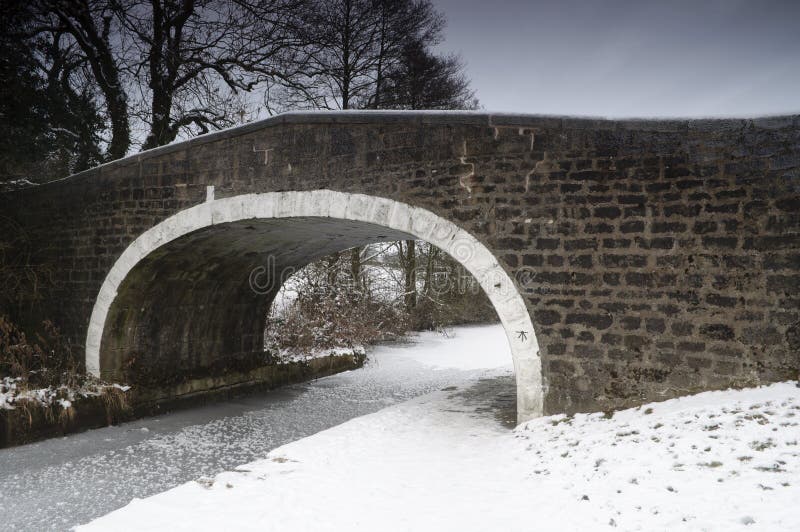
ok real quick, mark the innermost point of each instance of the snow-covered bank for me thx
(716, 461)
(286, 356)
(11, 395)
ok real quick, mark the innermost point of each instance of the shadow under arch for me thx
(144, 305)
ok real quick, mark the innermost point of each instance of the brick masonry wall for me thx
(656, 258)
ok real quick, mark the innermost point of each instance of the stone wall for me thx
(656, 258)
(30, 421)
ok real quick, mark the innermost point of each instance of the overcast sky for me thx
(630, 57)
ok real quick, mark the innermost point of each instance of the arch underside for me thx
(189, 297)
(197, 305)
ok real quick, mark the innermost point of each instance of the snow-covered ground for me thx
(59, 483)
(715, 461)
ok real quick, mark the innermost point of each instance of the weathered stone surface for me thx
(651, 255)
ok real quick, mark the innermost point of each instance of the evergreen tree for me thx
(423, 80)
(48, 128)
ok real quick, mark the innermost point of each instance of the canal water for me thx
(60, 483)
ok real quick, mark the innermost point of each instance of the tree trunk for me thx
(410, 275)
(120, 128)
(381, 54)
(161, 103)
(355, 267)
(432, 251)
(161, 131)
(346, 56)
(332, 269)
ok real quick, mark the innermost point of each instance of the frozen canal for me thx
(57, 484)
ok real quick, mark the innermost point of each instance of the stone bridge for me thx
(648, 258)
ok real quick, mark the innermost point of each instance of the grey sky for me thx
(630, 57)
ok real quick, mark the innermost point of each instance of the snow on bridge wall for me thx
(655, 258)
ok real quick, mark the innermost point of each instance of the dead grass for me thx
(44, 377)
(40, 362)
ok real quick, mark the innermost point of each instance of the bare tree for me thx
(400, 23)
(198, 55)
(341, 37)
(351, 43)
(92, 27)
(176, 66)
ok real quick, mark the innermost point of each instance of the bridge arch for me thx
(371, 218)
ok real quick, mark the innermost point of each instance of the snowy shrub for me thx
(46, 375)
(391, 289)
(448, 295)
(330, 317)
